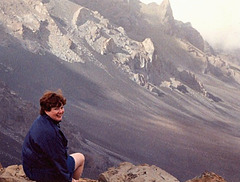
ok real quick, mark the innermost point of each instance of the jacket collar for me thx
(52, 120)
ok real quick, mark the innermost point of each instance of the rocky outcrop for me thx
(109, 46)
(166, 16)
(81, 16)
(222, 69)
(13, 173)
(149, 48)
(130, 173)
(187, 32)
(208, 177)
(30, 22)
(131, 56)
(162, 16)
(158, 14)
(184, 81)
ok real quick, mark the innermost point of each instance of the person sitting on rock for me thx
(44, 151)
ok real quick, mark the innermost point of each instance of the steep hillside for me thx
(141, 86)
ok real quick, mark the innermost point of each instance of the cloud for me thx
(218, 21)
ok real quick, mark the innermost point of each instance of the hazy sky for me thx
(218, 21)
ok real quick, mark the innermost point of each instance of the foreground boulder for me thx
(127, 172)
(13, 173)
(208, 177)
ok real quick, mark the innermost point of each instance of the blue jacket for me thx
(44, 152)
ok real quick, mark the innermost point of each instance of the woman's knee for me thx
(79, 159)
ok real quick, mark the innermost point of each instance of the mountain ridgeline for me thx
(141, 86)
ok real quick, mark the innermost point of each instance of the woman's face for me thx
(56, 113)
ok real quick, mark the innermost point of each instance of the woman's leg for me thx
(79, 164)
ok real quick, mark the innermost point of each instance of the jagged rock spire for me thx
(166, 15)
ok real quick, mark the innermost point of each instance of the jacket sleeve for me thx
(53, 147)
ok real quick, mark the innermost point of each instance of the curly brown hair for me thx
(51, 99)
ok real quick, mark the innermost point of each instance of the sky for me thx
(218, 21)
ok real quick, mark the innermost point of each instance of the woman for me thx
(44, 153)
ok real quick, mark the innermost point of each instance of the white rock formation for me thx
(149, 48)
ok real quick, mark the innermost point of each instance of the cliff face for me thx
(133, 76)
